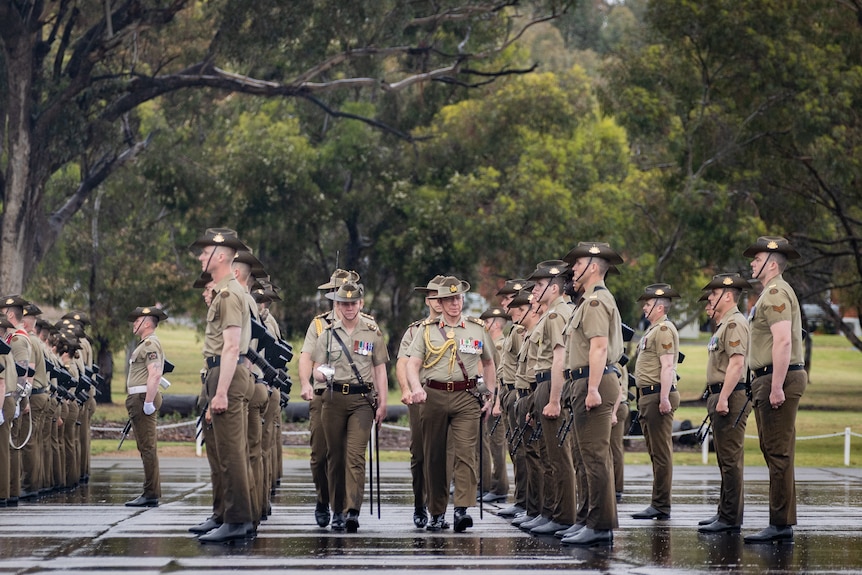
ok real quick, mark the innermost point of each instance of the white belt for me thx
(137, 389)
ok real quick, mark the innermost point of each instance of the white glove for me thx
(17, 411)
(326, 370)
(149, 408)
(2, 419)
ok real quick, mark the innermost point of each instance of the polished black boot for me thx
(420, 517)
(338, 522)
(321, 514)
(351, 524)
(462, 520)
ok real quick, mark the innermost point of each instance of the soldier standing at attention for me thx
(312, 392)
(7, 413)
(777, 362)
(655, 374)
(355, 354)
(495, 478)
(727, 401)
(228, 381)
(414, 410)
(146, 365)
(455, 351)
(594, 343)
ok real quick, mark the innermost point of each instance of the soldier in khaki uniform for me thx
(727, 401)
(455, 351)
(655, 374)
(7, 414)
(414, 410)
(77, 322)
(41, 407)
(146, 366)
(495, 476)
(22, 352)
(509, 349)
(228, 383)
(594, 343)
(312, 393)
(350, 359)
(545, 354)
(777, 362)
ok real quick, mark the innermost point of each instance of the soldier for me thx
(350, 359)
(414, 410)
(725, 376)
(655, 374)
(455, 352)
(146, 365)
(39, 400)
(228, 382)
(594, 343)
(7, 414)
(777, 363)
(545, 356)
(495, 478)
(618, 432)
(312, 392)
(78, 321)
(66, 349)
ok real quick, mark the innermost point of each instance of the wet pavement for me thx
(91, 531)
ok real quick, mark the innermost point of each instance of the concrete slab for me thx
(91, 531)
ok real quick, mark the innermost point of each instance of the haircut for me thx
(664, 302)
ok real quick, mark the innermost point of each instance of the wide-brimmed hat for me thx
(523, 297)
(13, 301)
(77, 316)
(32, 309)
(219, 237)
(347, 292)
(727, 281)
(340, 277)
(658, 290)
(772, 244)
(43, 324)
(514, 286)
(71, 326)
(495, 312)
(4, 322)
(202, 280)
(449, 286)
(593, 250)
(431, 286)
(150, 310)
(550, 269)
(248, 258)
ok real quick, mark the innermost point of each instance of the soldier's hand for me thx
(614, 419)
(407, 398)
(593, 399)
(419, 396)
(551, 410)
(307, 392)
(664, 406)
(721, 407)
(776, 398)
(218, 404)
(380, 415)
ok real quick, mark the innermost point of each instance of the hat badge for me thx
(518, 286)
(453, 288)
(145, 310)
(496, 312)
(76, 316)
(554, 270)
(349, 293)
(9, 301)
(727, 281)
(659, 292)
(772, 245)
(594, 250)
(218, 238)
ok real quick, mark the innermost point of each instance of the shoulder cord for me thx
(433, 355)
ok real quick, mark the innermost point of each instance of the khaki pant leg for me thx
(31, 453)
(268, 447)
(435, 435)
(417, 455)
(71, 441)
(532, 460)
(729, 442)
(49, 424)
(657, 430)
(497, 442)
(8, 407)
(593, 430)
(144, 428)
(518, 464)
(560, 481)
(256, 409)
(777, 431)
(86, 415)
(58, 444)
(464, 437)
(317, 442)
(619, 431)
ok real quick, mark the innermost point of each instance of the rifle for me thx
(199, 425)
(496, 423)
(278, 352)
(272, 376)
(126, 429)
(537, 433)
(747, 397)
(702, 432)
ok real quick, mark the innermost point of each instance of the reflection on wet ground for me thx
(90, 530)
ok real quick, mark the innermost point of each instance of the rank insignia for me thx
(152, 355)
(773, 291)
(667, 346)
(224, 294)
(779, 308)
(594, 303)
(734, 343)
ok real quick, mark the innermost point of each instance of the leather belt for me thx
(584, 372)
(651, 389)
(523, 392)
(716, 387)
(39, 391)
(319, 391)
(508, 386)
(451, 385)
(543, 376)
(767, 369)
(215, 361)
(137, 389)
(348, 388)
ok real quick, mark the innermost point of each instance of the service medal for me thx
(450, 334)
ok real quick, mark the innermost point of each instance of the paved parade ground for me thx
(90, 531)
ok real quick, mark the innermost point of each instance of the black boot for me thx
(437, 523)
(462, 520)
(338, 521)
(420, 517)
(321, 514)
(352, 521)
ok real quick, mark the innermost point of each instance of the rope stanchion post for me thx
(705, 447)
(847, 447)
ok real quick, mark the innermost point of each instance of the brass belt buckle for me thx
(450, 386)
(345, 389)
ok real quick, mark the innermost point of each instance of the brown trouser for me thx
(144, 428)
(58, 445)
(657, 430)
(730, 452)
(256, 411)
(532, 459)
(72, 445)
(8, 407)
(450, 418)
(49, 437)
(230, 435)
(519, 465)
(346, 420)
(559, 467)
(417, 455)
(31, 453)
(317, 442)
(777, 431)
(86, 414)
(593, 431)
(618, 452)
(268, 444)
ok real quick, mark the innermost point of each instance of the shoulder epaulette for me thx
(416, 323)
(321, 315)
(370, 323)
(428, 321)
(476, 320)
(320, 324)
(367, 316)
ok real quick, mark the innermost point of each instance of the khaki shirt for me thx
(660, 339)
(148, 352)
(228, 309)
(777, 303)
(525, 378)
(86, 351)
(40, 380)
(730, 338)
(596, 316)
(547, 334)
(511, 346)
(9, 373)
(439, 344)
(408, 337)
(22, 349)
(315, 328)
(365, 346)
(271, 324)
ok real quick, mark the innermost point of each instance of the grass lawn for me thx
(832, 402)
